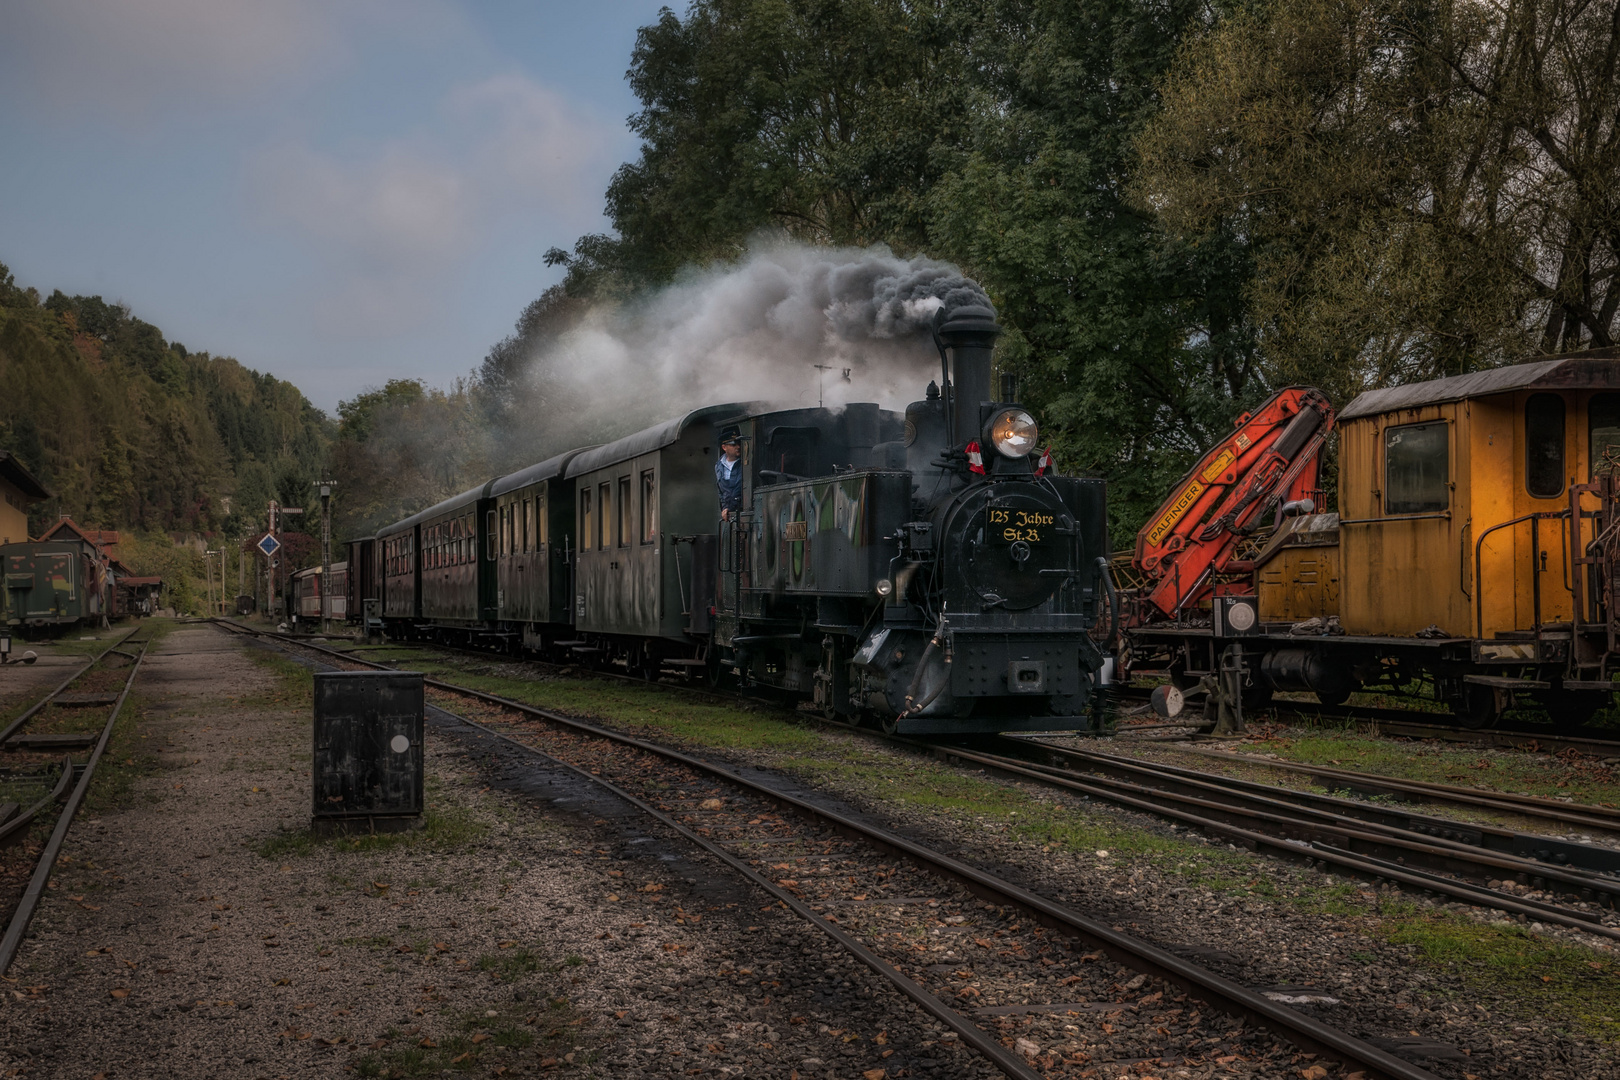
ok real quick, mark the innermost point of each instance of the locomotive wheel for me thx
(888, 723)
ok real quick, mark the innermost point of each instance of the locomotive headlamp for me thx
(1013, 433)
(885, 588)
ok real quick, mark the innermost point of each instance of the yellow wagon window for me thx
(1544, 445)
(1603, 427)
(1417, 468)
(586, 522)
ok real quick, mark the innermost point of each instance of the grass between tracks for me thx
(1568, 775)
(1566, 987)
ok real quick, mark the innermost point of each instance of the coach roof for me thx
(1595, 369)
(438, 510)
(653, 438)
(549, 469)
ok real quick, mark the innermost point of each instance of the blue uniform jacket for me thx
(730, 490)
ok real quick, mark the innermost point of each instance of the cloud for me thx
(388, 223)
(127, 56)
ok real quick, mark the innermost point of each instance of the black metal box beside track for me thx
(367, 764)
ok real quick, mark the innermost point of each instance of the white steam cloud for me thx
(756, 330)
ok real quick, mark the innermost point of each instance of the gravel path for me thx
(195, 931)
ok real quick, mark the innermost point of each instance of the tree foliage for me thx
(1427, 187)
(402, 448)
(815, 118)
(1134, 346)
(993, 133)
(134, 432)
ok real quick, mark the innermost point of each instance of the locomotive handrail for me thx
(1535, 572)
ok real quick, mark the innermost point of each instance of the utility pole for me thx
(286, 572)
(325, 487)
(270, 570)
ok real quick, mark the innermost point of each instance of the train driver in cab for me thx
(728, 473)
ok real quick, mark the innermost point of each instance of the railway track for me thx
(855, 882)
(1423, 853)
(1428, 854)
(72, 781)
(1409, 723)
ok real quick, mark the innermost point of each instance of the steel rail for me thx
(1550, 852)
(1152, 801)
(1409, 723)
(1222, 993)
(17, 724)
(17, 824)
(18, 926)
(1596, 817)
(1008, 1062)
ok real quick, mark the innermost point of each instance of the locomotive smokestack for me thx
(968, 334)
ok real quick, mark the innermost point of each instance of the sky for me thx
(338, 192)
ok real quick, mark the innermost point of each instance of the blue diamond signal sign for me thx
(269, 545)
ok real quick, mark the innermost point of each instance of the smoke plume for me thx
(753, 331)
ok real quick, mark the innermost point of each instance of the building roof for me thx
(74, 531)
(13, 472)
(1594, 369)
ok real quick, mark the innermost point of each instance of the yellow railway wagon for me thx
(1475, 548)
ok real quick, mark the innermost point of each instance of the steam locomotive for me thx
(927, 572)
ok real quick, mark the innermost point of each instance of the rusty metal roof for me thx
(1595, 369)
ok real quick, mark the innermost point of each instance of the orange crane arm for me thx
(1273, 456)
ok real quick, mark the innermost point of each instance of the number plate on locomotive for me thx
(1005, 525)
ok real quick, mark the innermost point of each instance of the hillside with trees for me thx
(137, 433)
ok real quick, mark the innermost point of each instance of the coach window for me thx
(626, 523)
(586, 524)
(1544, 445)
(604, 515)
(1417, 468)
(649, 508)
(524, 530)
(1603, 428)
